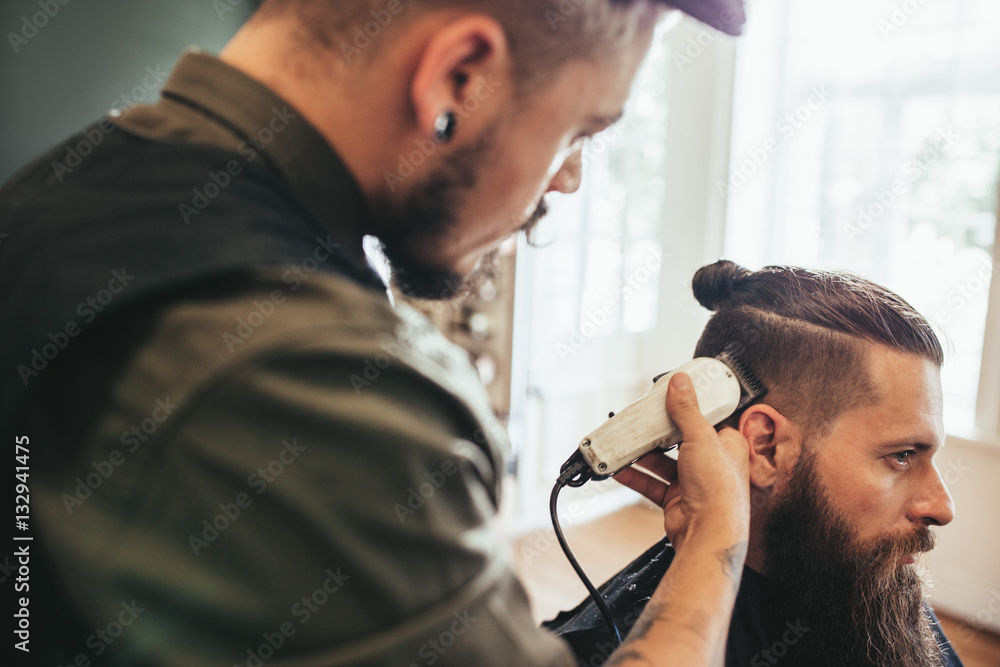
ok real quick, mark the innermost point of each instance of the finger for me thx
(682, 405)
(730, 435)
(660, 465)
(640, 482)
(738, 447)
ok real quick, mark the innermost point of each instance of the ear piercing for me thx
(444, 126)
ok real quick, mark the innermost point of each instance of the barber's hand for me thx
(709, 485)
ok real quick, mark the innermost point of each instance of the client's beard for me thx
(428, 216)
(861, 605)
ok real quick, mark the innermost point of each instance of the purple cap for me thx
(725, 15)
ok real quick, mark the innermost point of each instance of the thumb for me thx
(682, 405)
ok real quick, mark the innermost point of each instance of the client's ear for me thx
(775, 444)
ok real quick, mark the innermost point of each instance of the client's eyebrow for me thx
(907, 444)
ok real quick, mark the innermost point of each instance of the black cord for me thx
(576, 472)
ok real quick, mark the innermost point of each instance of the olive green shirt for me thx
(292, 472)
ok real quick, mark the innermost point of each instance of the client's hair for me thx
(806, 334)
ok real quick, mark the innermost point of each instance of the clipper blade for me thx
(750, 387)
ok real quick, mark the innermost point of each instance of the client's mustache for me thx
(919, 541)
(890, 549)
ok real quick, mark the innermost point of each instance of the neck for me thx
(755, 548)
(355, 116)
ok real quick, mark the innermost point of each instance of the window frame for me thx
(988, 395)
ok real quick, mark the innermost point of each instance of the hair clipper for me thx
(722, 384)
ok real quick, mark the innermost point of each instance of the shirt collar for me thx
(266, 126)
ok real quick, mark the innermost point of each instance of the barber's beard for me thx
(862, 605)
(429, 216)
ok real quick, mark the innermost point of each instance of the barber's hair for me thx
(807, 334)
(542, 34)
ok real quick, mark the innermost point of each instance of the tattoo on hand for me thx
(732, 562)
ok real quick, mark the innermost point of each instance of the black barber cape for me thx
(759, 635)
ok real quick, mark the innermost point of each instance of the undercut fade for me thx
(542, 35)
(807, 334)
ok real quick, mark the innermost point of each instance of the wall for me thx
(65, 63)
(965, 565)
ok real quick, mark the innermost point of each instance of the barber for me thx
(244, 449)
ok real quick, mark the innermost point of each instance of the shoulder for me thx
(270, 312)
(343, 336)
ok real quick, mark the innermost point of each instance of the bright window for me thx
(591, 290)
(873, 144)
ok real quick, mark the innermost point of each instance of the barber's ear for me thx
(775, 444)
(465, 69)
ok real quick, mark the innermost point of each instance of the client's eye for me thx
(901, 458)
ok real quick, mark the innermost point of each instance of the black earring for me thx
(444, 127)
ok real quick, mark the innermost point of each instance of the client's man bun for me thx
(807, 333)
(713, 285)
